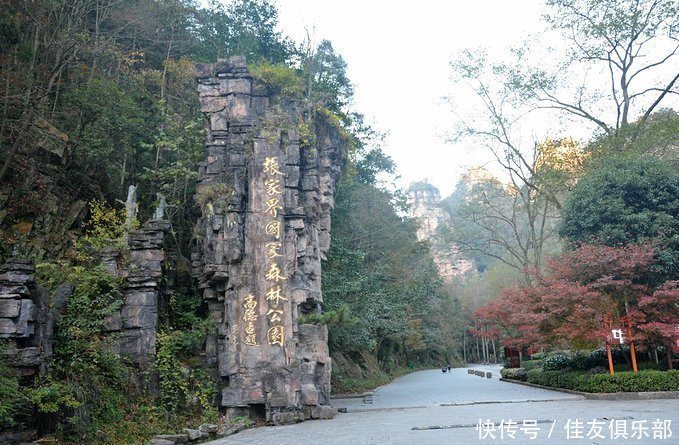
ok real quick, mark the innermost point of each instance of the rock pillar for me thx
(142, 270)
(266, 192)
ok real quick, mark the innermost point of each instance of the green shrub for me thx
(557, 379)
(508, 373)
(642, 381)
(88, 393)
(342, 384)
(557, 362)
(334, 317)
(84, 370)
(532, 364)
(278, 79)
(538, 356)
(599, 357)
(51, 397)
(641, 366)
(633, 382)
(106, 228)
(581, 362)
(13, 400)
(185, 386)
(514, 374)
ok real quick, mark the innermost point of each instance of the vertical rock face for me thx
(266, 193)
(424, 202)
(25, 317)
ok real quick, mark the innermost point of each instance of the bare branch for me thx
(659, 99)
(653, 65)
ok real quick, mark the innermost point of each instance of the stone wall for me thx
(266, 191)
(25, 318)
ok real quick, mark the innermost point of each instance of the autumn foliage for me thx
(584, 294)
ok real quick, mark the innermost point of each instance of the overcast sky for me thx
(398, 56)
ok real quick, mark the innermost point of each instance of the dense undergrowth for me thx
(88, 393)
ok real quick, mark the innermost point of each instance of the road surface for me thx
(430, 407)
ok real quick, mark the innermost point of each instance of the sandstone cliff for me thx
(266, 192)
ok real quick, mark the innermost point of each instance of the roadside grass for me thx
(343, 385)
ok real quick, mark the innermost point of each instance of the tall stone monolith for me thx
(266, 190)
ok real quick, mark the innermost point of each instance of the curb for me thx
(651, 395)
(351, 396)
(551, 388)
(367, 398)
(605, 395)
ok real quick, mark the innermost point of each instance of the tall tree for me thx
(242, 27)
(513, 223)
(584, 293)
(634, 43)
(618, 68)
(627, 201)
(327, 83)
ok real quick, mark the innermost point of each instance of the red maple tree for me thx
(583, 294)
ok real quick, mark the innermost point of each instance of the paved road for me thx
(434, 388)
(430, 407)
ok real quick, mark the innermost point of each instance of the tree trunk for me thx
(36, 42)
(627, 360)
(464, 347)
(15, 146)
(483, 349)
(668, 352)
(486, 342)
(167, 60)
(56, 97)
(4, 107)
(122, 174)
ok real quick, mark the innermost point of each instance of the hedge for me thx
(631, 382)
(532, 364)
(557, 379)
(597, 383)
(557, 362)
(514, 374)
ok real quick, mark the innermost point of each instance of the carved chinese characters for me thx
(275, 334)
(250, 317)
